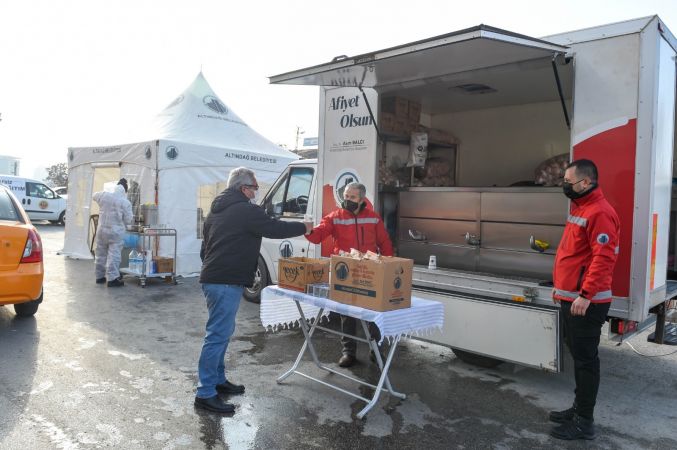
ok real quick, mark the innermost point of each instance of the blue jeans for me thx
(223, 301)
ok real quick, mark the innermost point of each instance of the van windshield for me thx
(290, 195)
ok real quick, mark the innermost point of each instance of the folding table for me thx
(285, 308)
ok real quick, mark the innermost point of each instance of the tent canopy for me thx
(180, 162)
(198, 116)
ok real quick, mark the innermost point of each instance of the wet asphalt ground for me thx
(100, 367)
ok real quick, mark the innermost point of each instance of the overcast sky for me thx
(81, 72)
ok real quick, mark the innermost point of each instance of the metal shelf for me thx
(149, 238)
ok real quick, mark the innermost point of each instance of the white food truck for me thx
(494, 105)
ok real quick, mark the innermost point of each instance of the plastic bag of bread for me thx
(372, 256)
(551, 171)
(437, 167)
(418, 150)
(355, 254)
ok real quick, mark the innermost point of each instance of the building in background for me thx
(9, 165)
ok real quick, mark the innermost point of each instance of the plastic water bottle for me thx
(134, 261)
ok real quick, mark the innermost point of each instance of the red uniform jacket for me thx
(363, 232)
(587, 253)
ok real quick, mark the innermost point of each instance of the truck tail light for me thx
(33, 249)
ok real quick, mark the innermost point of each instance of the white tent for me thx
(193, 145)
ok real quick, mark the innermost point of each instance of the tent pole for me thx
(157, 182)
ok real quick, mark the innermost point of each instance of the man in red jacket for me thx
(582, 274)
(356, 226)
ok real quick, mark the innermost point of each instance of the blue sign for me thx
(312, 141)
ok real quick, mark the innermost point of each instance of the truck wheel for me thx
(261, 280)
(62, 218)
(476, 360)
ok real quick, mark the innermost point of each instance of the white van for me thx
(290, 199)
(38, 200)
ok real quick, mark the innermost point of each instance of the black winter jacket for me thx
(232, 238)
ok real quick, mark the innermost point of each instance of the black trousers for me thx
(349, 326)
(582, 335)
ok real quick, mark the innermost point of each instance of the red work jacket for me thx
(587, 253)
(364, 231)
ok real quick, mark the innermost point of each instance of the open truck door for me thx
(481, 311)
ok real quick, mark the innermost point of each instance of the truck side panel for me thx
(527, 335)
(604, 130)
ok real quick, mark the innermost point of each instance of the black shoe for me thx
(214, 404)
(116, 283)
(101, 280)
(562, 416)
(577, 428)
(229, 388)
(346, 361)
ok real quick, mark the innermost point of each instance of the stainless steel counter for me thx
(509, 231)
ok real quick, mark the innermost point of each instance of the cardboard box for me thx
(436, 136)
(163, 265)
(378, 285)
(414, 112)
(401, 126)
(386, 121)
(396, 105)
(297, 272)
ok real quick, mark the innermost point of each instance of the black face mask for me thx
(350, 205)
(568, 189)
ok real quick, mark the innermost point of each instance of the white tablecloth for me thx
(279, 310)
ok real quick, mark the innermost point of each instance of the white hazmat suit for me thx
(115, 211)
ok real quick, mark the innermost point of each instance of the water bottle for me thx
(134, 261)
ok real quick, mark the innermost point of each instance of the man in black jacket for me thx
(229, 253)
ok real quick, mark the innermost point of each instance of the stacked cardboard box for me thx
(380, 285)
(399, 115)
(297, 272)
(397, 106)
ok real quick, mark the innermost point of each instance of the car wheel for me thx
(28, 309)
(62, 218)
(476, 360)
(261, 280)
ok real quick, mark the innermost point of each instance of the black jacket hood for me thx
(226, 198)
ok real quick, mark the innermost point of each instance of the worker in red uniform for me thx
(356, 226)
(584, 266)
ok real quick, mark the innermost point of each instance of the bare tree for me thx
(57, 175)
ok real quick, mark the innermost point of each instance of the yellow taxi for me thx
(21, 269)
